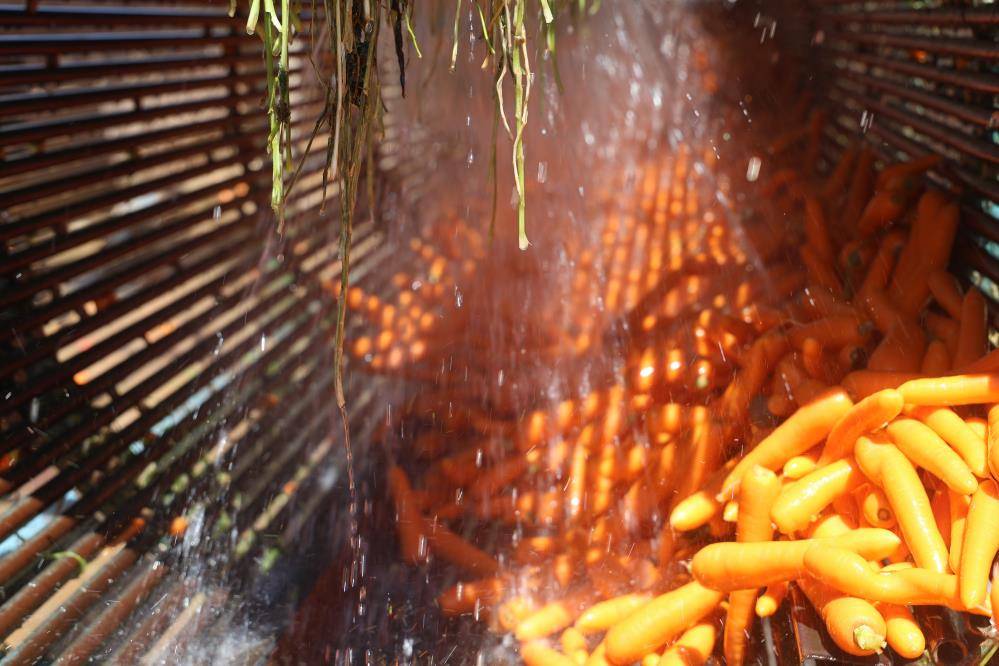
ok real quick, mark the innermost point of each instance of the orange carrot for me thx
(972, 338)
(900, 482)
(876, 509)
(771, 599)
(537, 653)
(861, 186)
(862, 383)
(803, 430)
(728, 566)
(693, 648)
(987, 363)
(799, 466)
(869, 414)
(663, 619)
(817, 231)
(854, 625)
(981, 542)
(840, 176)
(901, 350)
(901, 170)
(756, 498)
(409, 522)
(802, 501)
(958, 508)
(469, 597)
(936, 360)
(925, 448)
(573, 641)
(946, 292)
(602, 616)
(952, 390)
(830, 332)
(549, 619)
(956, 432)
(879, 272)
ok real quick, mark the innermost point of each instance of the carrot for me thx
(936, 360)
(728, 566)
(512, 611)
(946, 292)
(604, 615)
(449, 546)
(693, 648)
(869, 414)
(926, 449)
(972, 339)
(770, 600)
(902, 631)
(697, 509)
(801, 502)
(599, 656)
(831, 525)
(981, 542)
(987, 363)
(849, 573)
(409, 522)
(803, 430)
(663, 619)
(572, 641)
(756, 498)
(549, 619)
(799, 466)
(956, 432)
(958, 509)
(820, 302)
(811, 358)
(817, 231)
(992, 439)
(862, 383)
(830, 332)
(901, 170)
(883, 208)
(498, 477)
(876, 509)
(879, 271)
(470, 596)
(840, 176)
(901, 350)
(953, 390)
(861, 186)
(940, 504)
(537, 653)
(763, 353)
(854, 625)
(911, 505)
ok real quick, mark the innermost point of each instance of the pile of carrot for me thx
(828, 419)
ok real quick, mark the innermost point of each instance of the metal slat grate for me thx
(165, 354)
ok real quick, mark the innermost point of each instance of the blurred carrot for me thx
(943, 287)
(972, 339)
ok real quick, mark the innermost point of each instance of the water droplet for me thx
(753, 170)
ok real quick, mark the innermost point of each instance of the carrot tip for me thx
(867, 638)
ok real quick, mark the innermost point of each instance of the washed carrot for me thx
(855, 625)
(693, 648)
(936, 360)
(972, 338)
(449, 546)
(801, 502)
(958, 509)
(840, 176)
(803, 430)
(902, 631)
(662, 620)
(599, 656)
(537, 653)
(757, 493)
(831, 524)
(728, 566)
(859, 192)
(879, 271)
(925, 448)
(869, 414)
(909, 501)
(901, 350)
(876, 509)
(981, 542)
(956, 432)
(604, 615)
(545, 621)
(572, 640)
(830, 332)
(862, 383)
(799, 466)
(901, 170)
(851, 574)
(946, 292)
(770, 599)
(698, 508)
(409, 522)
(987, 363)
(965, 389)
(817, 231)
(940, 504)
(992, 439)
(469, 597)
